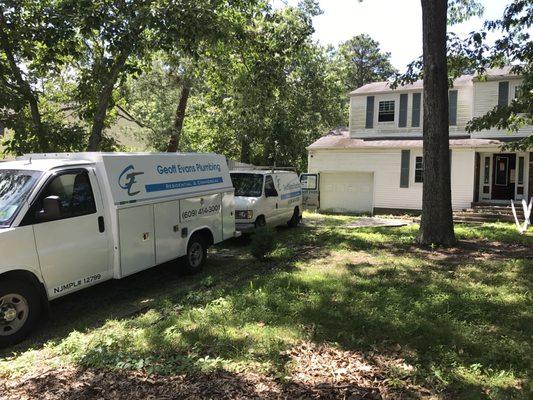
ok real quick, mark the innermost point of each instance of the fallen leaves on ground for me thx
(317, 372)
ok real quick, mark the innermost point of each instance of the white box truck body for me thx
(70, 221)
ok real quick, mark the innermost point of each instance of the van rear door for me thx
(310, 190)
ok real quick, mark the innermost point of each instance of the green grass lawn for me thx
(462, 319)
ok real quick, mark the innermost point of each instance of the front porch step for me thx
(519, 213)
(484, 212)
(482, 217)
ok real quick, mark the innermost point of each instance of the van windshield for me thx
(247, 185)
(14, 187)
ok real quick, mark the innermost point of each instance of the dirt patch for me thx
(467, 250)
(318, 372)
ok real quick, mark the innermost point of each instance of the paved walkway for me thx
(362, 222)
(371, 222)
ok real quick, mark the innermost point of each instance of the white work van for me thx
(266, 197)
(70, 221)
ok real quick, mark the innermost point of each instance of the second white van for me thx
(266, 197)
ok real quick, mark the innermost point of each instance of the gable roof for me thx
(463, 80)
(340, 139)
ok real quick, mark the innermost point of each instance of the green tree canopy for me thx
(514, 47)
(361, 61)
(36, 41)
(261, 97)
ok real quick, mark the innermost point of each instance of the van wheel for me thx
(295, 220)
(260, 222)
(19, 311)
(196, 255)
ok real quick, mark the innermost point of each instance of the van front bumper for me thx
(245, 227)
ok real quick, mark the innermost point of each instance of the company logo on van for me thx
(126, 180)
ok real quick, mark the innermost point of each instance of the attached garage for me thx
(347, 192)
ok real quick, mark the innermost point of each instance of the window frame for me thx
(307, 176)
(30, 219)
(419, 169)
(393, 101)
(273, 185)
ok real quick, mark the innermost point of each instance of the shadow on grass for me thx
(212, 385)
(464, 328)
(453, 331)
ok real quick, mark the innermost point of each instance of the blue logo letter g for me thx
(126, 180)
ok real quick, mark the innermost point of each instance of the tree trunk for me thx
(103, 103)
(245, 151)
(24, 88)
(436, 226)
(175, 135)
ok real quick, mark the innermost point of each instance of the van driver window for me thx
(74, 192)
(270, 189)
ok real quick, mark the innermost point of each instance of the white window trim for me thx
(396, 110)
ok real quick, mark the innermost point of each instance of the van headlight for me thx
(244, 214)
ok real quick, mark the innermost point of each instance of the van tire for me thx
(295, 220)
(196, 255)
(260, 222)
(21, 297)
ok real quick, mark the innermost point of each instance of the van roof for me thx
(30, 164)
(260, 171)
(48, 161)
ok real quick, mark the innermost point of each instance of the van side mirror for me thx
(51, 209)
(271, 192)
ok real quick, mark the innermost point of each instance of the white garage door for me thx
(350, 192)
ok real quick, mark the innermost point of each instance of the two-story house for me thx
(376, 165)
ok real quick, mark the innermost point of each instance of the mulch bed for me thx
(318, 372)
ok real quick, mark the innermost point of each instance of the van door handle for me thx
(101, 224)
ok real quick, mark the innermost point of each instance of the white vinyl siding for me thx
(486, 98)
(358, 105)
(385, 164)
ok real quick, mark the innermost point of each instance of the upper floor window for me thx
(386, 111)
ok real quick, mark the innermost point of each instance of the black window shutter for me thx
(451, 154)
(453, 107)
(369, 112)
(503, 94)
(404, 173)
(402, 122)
(417, 101)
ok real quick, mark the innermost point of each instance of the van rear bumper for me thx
(245, 226)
